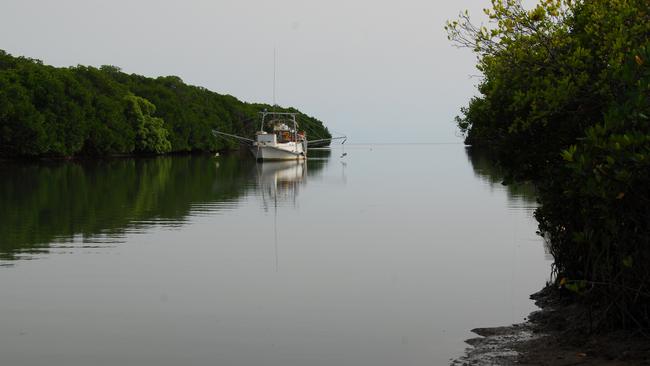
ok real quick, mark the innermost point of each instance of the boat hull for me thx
(277, 153)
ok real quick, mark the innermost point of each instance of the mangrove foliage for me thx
(88, 111)
(565, 102)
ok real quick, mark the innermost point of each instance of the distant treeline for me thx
(87, 111)
(565, 102)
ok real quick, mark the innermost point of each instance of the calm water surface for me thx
(388, 256)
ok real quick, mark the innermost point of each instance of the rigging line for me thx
(311, 130)
(225, 126)
(333, 133)
(218, 133)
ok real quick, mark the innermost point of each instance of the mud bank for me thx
(554, 336)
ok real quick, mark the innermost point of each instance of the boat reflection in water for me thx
(280, 181)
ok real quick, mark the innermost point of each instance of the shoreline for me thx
(75, 158)
(554, 336)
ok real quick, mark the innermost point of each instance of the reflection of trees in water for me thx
(318, 158)
(488, 171)
(56, 202)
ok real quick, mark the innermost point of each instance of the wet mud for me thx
(554, 336)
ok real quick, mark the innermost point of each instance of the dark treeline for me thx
(87, 111)
(565, 102)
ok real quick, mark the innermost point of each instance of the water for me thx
(388, 256)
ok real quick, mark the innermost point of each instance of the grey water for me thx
(386, 256)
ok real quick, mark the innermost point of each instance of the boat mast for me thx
(274, 72)
(295, 133)
(262, 124)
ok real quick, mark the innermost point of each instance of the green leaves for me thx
(569, 153)
(577, 287)
(151, 136)
(565, 102)
(83, 110)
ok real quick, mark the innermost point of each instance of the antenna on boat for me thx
(274, 72)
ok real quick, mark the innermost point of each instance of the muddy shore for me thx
(554, 336)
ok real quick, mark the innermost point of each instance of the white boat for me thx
(278, 138)
(283, 141)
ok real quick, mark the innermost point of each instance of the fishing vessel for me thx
(283, 141)
(279, 138)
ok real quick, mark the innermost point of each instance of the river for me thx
(386, 256)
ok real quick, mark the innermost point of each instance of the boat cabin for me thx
(280, 132)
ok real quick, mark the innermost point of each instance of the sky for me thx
(377, 71)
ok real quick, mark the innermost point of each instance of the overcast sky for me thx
(379, 71)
